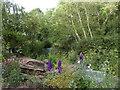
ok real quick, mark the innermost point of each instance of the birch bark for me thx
(80, 21)
(88, 24)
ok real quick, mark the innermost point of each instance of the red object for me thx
(7, 63)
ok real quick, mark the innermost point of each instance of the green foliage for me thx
(61, 80)
(106, 42)
(2, 58)
(33, 49)
(55, 55)
(33, 81)
(72, 56)
(52, 58)
(42, 57)
(85, 80)
(87, 28)
(99, 56)
(81, 79)
(99, 51)
(11, 74)
(51, 74)
(13, 26)
(15, 78)
(20, 27)
(36, 11)
(107, 82)
(72, 84)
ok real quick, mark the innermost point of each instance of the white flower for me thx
(72, 81)
(89, 67)
(78, 62)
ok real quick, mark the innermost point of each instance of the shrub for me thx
(11, 74)
(56, 55)
(33, 49)
(91, 80)
(101, 58)
(42, 57)
(81, 79)
(72, 56)
(61, 80)
(52, 58)
(33, 81)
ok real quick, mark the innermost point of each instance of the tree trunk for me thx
(88, 24)
(76, 33)
(80, 20)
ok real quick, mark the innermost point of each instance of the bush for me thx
(33, 49)
(56, 55)
(72, 56)
(33, 81)
(101, 58)
(42, 57)
(61, 80)
(91, 80)
(11, 74)
(107, 42)
(81, 79)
